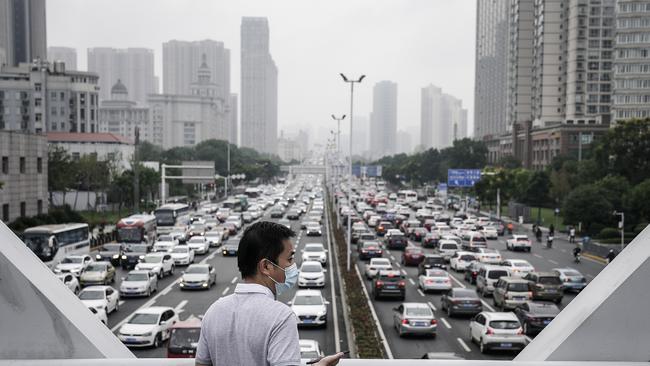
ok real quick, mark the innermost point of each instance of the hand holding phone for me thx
(329, 360)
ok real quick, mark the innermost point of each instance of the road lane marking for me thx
(166, 290)
(432, 306)
(387, 251)
(180, 306)
(420, 292)
(392, 258)
(404, 273)
(487, 305)
(552, 261)
(528, 339)
(337, 335)
(398, 265)
(462, 344)
(411, 281)
(590, 275)
(225, 291)
(121, 303)
(457, 281)
(537, 255)
(445, 322)
(234, 280)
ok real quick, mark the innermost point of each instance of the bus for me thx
(407, 196)
(253, 192)
(237, 204)
(168, 215)
(51, 243)
(137, 229)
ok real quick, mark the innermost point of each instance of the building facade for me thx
(134, 66)
(23, 172)
(23, 35)
(105, 146)
(259, 87)
(520, 60)
(121, 116)
(383, 122)
(442, 119)
(67, 55)
(233, 117)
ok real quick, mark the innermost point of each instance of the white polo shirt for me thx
(249, 327)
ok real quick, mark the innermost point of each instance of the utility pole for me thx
(136, 173)
(621, 225)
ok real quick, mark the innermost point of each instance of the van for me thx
(510, 292)
(476, 240)
(447, 248)
(487, 277)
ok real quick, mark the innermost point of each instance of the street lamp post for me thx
(351, 82)
(338, 131)
(621, 225)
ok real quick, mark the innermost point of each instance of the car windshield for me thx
(434, 260)
(549, 280)
(152, 259)
(180, 249)
(572, 274)
(69, 260)
(418, 311)
(521, 264)
(136, 277)
(137, 248)
(465, 293)
(308, 300)
(313, 249)
(383, 262)
(488, 251)
(143, 318)
(92, 295)
(518, 287)
(197, 239)
(467, 257)
(165, 238)
(308, 355)
(111, 248)
(436, 273)
(496, 274)
(197, 269)
(184, 337)
(370, 245)
(96, 268)
(543, 309)
(449, 246)
(504, 324)
(316, 267)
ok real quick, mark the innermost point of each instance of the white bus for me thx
(407, 196)
(51, 243)
(168, 215)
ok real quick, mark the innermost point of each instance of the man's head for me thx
(264, 251)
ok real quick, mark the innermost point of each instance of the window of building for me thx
(22, 165)
(37, 102)
(5, 165)
(23, 209)
(75, 156)
(39, 165)
(37, 86)
(5, 212)
(39, 207)
(62, 96)
(83, 127)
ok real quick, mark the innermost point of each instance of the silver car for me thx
(414, 318)
(198, 277)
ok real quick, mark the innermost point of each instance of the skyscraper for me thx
(259, 87)
(383, 122)
(233, 119)
(490, 89)
(23, 36)
(442, 118)
(520, 56)
(430, 104)
(66, 54)
(133, 66)
(361, 135)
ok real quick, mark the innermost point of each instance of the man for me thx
(610, 256)
(572, 235)
(250, 327)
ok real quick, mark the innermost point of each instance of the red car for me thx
(428, 223)
(412, 256)
(418, 233)
(431, 240)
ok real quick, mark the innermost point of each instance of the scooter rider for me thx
(549, 240)
(576, 253)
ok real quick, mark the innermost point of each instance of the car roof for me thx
(545, 274)
(96, 288)
(154, 310)
(565, 269)
(389, 272)
(198, 265)
(308, 344)
(314, 245)
(421, 305)
(500, 315)
(517, 261)
(514, 279)
(309, 292)
(191, 322)
(137, 271)
(310, 262)
(519, 236)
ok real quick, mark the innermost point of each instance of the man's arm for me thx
(284, 348)
(203, 355)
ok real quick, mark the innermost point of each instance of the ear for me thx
(263, 267)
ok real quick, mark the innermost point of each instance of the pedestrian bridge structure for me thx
(303, 169)
(43, 323)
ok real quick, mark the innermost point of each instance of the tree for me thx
(149, 152)
(587, 204)
(637, 203)
(614, 188)
(509, 162)
(60, 171)
(624, 150)
(537, 191)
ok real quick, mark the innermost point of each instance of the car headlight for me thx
(148, 334)
(98, 257)
(141, 257)
(76, 270)
(99, 307)
(56, 270)
(124, 257)
(116, 256)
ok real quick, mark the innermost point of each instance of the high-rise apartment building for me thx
(383, 121)
(632, 60)
(259, 87)
(23, 36)
(133, 66)
(430, 104)
(490, 89)
(361, 129)
(404, 142)
(442, 118)
(520, 61)
(67, 55)
(233, 118)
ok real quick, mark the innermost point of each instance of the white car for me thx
(518, 267)
(519, 242)
(314, 230)
(447, 248)
(488, 255)
(70, 281)
(182, 255)
(461, 260)
(311, 274)
(315, 252)
(101, 297)
(214, 237)
(100, 314)
(497, 331)
(164, 246)
(490, 232)
(148, 327)
(309, 349)
(455, 238)
(198, 276)
(73, 264)
(235, 219)
(160, 263)
(434, 280)
(310, 307)
(376, 265)
(199, 244)
(139, 283)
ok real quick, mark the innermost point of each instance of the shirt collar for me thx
(253, 288)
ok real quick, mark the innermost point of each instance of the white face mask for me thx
(290, 278)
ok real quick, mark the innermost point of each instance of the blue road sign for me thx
(463, 177)
(367, 170)
(442, 187)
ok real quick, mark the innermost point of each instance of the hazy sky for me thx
(411, 42)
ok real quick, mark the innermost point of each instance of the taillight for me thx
(405, 321)
(401, 284)
(379, 284)
(364, 251)
(530, 294)
(434, 322)
(490, 331)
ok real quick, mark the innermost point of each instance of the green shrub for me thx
(640, 227)
(609, 233)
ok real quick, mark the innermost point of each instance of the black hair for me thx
(264, 239)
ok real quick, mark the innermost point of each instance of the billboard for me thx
(196, 175)
(463, 177)
(367, 170)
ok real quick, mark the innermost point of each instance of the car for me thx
(475, 240)
(518, 267)
(293, 214)
(214, 237)
(309, 349)
(160, 263)
(179, 235)
(519, 242)
(235, 219)
(70, 281)
(100, 297)
(277, 212)
(383, 227)
(184, 338)
(305, 222)
(396, 241)
(488, 255)
(461, 260)
(369, 249)
(211, 223)
(497, 331)
(373, 221)
(490, 232)
(535, 316)
(310, 307)
(389, 283)
(97, 273)
(315, 252)
(451, 237)
(285, 222)
(230, 248)
(247, 217)
(572, 279)
(509, 292)
(471, 271)
(447, 248)
(164, 246)
(132, 255)
(148, 327)
(314, 230)
(431, 240)
(432, 261)
(196, 229)
(412, 256)
(418, 233)
(73, 264)
(198, 277)
(183, 255)
(100, 314)
(110, 253)
(488, 276)
(434, 280)
(459, 301)
(139, 283)
(545, 286)
(367, 236)
(199, 244)
(414, 318)
(375, 265)
(311, 274)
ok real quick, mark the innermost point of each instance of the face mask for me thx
(290, 278)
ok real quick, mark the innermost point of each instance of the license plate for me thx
(519, 298)
(506, 345)
(468, 305)
(307, 321)
(390, 287)
(130, 340)
(439, 281)
(420, 324)
(550, 290)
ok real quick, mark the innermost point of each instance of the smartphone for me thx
(313, 361)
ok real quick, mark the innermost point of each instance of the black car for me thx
(461, 301)
(389, 283)
(432, 261)
(110, 253)
(370, 249)
(535, 316)
(431, 240)
(132, 255)
(277, 212)
(396, 241)
(230, 248)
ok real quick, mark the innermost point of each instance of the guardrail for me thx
(346, 362)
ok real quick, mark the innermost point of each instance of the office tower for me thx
(233, 119)
(383, 122)
(259, 87)
(430, 109)
(133, 66)
(404, 142)
(490, 88)
(66, 54)
(23, 36)
(361, 134)
(462, 131)
(632, 68)
(520, 61)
